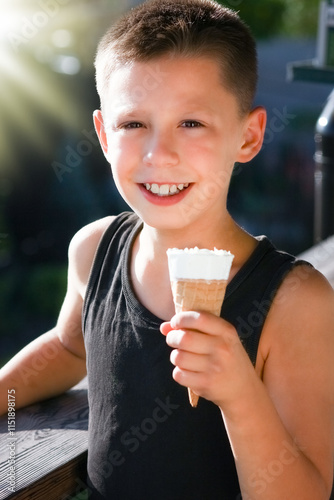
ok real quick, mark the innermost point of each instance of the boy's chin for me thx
(171, 220)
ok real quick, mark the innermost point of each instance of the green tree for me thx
(264, 17)
(269, 18)
(301, 17)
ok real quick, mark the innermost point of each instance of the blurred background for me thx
(54, 178)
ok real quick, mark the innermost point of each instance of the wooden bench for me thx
(50, 446)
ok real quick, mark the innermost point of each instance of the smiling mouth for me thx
(166, 189)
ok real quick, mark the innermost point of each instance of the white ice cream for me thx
(195, 263)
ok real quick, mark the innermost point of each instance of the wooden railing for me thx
(45, 457)
(49, 444)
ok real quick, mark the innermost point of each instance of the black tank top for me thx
(145, 440)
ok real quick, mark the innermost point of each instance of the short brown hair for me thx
(188, 28)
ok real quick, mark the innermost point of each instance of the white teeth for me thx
(165, 189)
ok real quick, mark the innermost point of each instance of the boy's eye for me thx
(191, 124)
(131, 125)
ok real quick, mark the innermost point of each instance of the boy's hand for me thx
(208, 357)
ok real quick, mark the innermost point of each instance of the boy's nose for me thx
(161, 151)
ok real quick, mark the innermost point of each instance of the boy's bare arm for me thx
(298, 349)
(279, 418)
(42, 369)
(55, 361)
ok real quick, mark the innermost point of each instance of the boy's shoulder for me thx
(304, 285)
(82, 251)
(90, 234)
(302, 311)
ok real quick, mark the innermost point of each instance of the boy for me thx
(177, 81)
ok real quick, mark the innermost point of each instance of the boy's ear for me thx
(101, 131)
(253, 135)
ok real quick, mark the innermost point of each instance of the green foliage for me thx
(46, 285)
(301, 17)
(84, 495)
(31, 292)
(268, 18)
(264, 17)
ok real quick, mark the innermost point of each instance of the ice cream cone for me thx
(198, 295)
(194, 295)
(198, 280)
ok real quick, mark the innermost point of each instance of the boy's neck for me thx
(149, 268)
(224, 234)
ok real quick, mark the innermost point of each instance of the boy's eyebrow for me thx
(130, 111)
(123, 114)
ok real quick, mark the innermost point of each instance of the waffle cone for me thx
(198, 295)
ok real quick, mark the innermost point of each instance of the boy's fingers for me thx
(187, 340)
(187, 378)
(189, 361)
(200, 321)
(165, 328)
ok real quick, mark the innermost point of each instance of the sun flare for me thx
(45, 57)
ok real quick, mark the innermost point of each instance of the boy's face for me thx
(172, 134)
